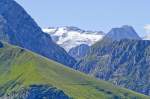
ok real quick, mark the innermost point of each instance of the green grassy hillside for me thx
(27, 68)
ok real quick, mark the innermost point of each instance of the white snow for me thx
(49, 30)
(72, 38)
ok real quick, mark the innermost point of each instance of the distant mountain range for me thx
(74, 40)
(71, 37)
(18, 28)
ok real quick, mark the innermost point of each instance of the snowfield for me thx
(70, 37)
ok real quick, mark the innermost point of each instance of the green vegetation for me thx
(21, 68)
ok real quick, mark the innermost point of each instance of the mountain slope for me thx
(79, 52)
(125, 63)
(70, 37)
(27, 74)
(18, 28)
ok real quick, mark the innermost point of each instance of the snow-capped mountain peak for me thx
(69, 37)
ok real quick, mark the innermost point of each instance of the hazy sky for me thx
(90, 14)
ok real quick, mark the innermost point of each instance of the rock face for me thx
(40, 92)
(18, 28)
(37, 92)
(79, 52)
(125, 32)
(71, 37)
(121, 58)
(125, 63)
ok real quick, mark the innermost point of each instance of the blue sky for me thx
(90, 14)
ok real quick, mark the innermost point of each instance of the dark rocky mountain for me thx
(79, 52)
(37, 92)
(124, 32)
(72, 28)
(125, 63)
(18, 28)
(121, 58)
